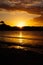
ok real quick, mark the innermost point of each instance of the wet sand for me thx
(14, 56)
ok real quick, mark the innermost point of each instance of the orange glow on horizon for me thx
(20, 18)
(20, 24)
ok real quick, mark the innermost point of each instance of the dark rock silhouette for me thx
(2, 22)
(4, 27)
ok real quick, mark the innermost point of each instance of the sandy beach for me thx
(14, 56)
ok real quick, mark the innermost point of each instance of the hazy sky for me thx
(27, 12)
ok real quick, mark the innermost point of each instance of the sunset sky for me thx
(22, 12)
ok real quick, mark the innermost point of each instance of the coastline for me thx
(17, 56)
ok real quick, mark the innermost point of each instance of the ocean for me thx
(25, 40)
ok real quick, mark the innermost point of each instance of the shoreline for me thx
(19, 56)
(25, 47)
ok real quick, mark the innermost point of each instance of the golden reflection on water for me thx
(22, 39)
(20, 36)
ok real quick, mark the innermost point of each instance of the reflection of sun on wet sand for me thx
(17, 47)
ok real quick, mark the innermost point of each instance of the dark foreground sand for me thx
(13, 56)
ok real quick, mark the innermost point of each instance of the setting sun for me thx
(20, 24)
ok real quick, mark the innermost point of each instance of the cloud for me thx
(39, 19)
(34, 6)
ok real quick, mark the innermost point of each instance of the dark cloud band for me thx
(16, 5)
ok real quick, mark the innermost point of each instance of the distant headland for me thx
(4, 27)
